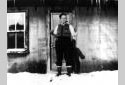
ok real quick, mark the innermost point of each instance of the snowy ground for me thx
(93, 78)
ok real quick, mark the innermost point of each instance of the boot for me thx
(69, 70)
(59, 71)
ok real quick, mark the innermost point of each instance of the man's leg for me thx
(68, 56)
(59, 56)
(68, 63)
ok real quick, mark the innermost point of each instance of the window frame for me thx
(25, 31)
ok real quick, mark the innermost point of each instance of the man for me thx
(64, 34)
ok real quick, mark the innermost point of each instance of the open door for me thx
(54, 23)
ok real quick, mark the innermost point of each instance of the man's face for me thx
(63, 18)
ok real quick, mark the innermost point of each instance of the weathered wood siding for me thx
(97, 39)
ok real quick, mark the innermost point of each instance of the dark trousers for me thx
(63, 50)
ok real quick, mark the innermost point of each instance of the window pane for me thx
(20, 40)
(20, 17)
(11, 40)
(10, 21)
(19, 26)
(12, 27)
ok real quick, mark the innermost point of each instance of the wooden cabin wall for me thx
(36, 60)
(97, 39)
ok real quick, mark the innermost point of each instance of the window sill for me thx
(15, 50)
(19, 52)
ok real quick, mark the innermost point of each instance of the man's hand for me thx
(75, 36)
(52, 33)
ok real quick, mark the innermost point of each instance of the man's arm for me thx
(54, 32)
(73, 33)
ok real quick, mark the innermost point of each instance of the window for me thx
(16, 32)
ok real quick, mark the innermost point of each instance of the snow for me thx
(93, 78)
